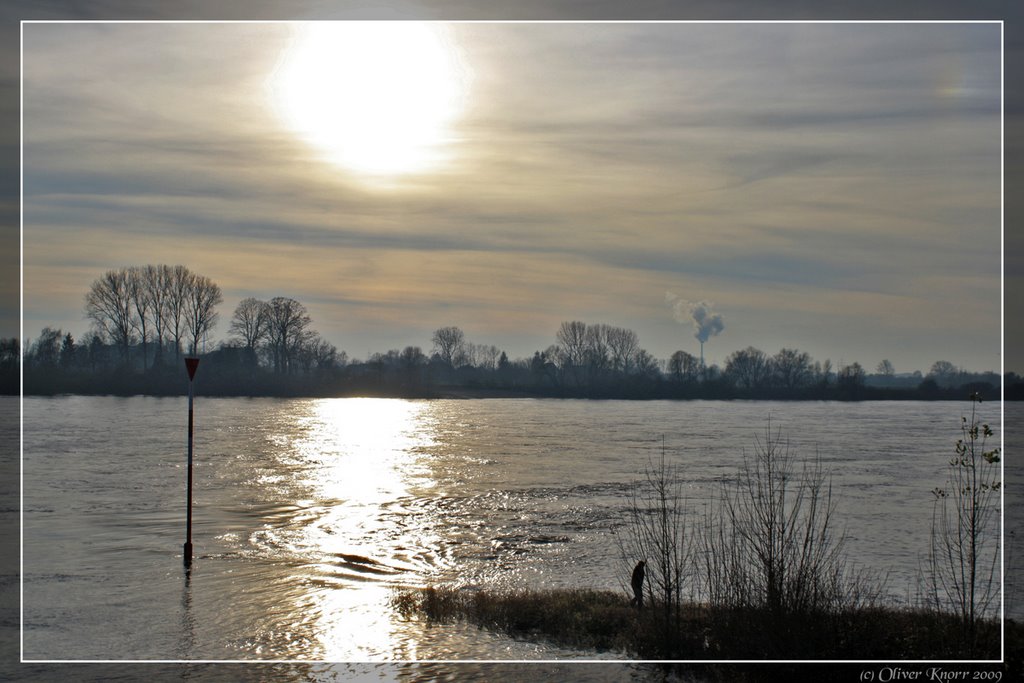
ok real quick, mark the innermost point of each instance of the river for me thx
(309, 513)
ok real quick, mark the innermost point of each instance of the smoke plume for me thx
(705, 321)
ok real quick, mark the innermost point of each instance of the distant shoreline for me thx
(218, 378)
(469, 393)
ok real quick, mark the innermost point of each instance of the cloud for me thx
(596, 164)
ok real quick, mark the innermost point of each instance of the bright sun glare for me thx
(377, 98)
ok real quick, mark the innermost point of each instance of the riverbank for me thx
(604, 621)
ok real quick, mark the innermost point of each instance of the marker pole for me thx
(190, 364)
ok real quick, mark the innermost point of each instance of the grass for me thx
(604, 621)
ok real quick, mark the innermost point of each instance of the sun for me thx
(377, 98)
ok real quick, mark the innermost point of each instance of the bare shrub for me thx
(657, 532)
(770, 540)
(964, 553)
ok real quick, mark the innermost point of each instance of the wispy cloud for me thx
(596, 166)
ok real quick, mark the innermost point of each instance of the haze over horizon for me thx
(829, 187)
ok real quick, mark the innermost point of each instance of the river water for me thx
(308, 513)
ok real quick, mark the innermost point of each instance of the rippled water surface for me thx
(309, 513)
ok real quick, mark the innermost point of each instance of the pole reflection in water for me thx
(187, 647)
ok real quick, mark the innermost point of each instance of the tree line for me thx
(144, 318)
(159, 306)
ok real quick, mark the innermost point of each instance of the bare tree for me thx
(287, 323)
(572, 339)
(249, 324)
(645, 364)
(45, 350)
(572, 345)
(108, 304)
(200, 309)
(449, 344)
(470, 354)
(850, 376)
(622, 347)
(943, 372)
(157, 284)
(413, 357)
(749, 367)
(683, 366)
(315, 351)
(179, 279)
(489, 357)
(792, 368)
(595, 354)
(141, 301)
(886, 369)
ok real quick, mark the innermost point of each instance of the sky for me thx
(828, 187)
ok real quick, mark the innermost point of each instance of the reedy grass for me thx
(604, 621)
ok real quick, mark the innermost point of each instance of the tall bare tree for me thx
(792, 368)
(157, 283)
(622, 347)
(595, 355)
(572, 340)
(141, 302)
(250, 324)
(450, 344)
(200, 309)
(176, 303)
(683, 366)
(489, 356)
(108, 304)
(287, 323)
(749, 367)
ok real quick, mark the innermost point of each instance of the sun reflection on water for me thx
(367, 448)
(362, 465)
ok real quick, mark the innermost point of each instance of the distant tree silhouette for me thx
(449, 344)
(67, 351)
(10, 352)
(178, 282)
(622, 347)
(249, 325)
(46, 349)
(157, 281)
(886, 369)
(200, 309)
(850, 380)
(572, 344)
(108, 304)
(749, 368)
(791, 368)
(287, 327)
(140, 304)
(683, 367)
(943, 372)
(141, 301)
